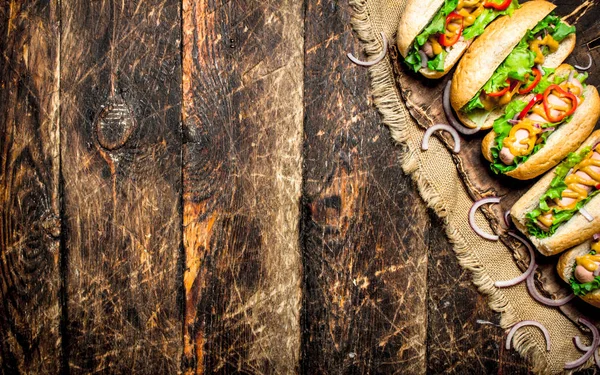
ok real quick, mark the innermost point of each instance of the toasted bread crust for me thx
(565, 270)
(564, 140)
(416, 16)
(491, 48)
(573, 232)
(487, 144)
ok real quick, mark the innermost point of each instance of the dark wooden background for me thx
(200, 186)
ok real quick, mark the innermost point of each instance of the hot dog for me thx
(508, 58)
(433, 34)
(580, 268)
(562, 209)
(536, 132)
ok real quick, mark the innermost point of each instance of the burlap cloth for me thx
(439, 184)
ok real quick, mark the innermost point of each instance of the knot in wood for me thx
(115, 123)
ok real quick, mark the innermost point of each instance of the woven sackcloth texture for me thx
(439, 184)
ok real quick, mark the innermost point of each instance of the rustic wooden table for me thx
(205, 187)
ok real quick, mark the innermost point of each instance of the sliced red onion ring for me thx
(596, 236)
(476, 229)
(595, 341)
(528, 323)
(516, 116)
(586, 214)
(542, 226)
(539, 67)
(589, 65)
(550, 129)
(523, 276)
(506, 219)
(571, 75)
(536, 125)
(424, 59)
(450, 116)
(376, 60)
(513, 122)
(579, 345)
(596, 358)
(541, 299)
(449, 129)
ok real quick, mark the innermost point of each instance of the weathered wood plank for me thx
(242, 63)
(29, 199)
(121, 162)
(365, 254)
(463, 334)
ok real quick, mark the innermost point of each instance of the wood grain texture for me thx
(242, 92)
(463, 334)
(29, 199)
(365, 255)
(121, 169)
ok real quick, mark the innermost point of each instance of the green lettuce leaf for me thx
(437, 63)
(437, 25)
(502, 129)
(581, 289)
(561, 31)
(557, 186)
(485, 18)
(521, 59)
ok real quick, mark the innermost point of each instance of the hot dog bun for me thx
(565, 139)
(489, 50)
(569, 234)
(565, 267)
(416, 16)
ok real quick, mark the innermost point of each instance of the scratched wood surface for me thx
(242, 101)
(29, 188)
(203, 186)
(121, 182)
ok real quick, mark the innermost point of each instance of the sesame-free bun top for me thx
(490, 49)
(416, 16)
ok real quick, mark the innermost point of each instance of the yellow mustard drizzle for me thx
(535, 45)
(538, 109)
(467, 4)
(588, 261)
(435, 45)
(573, 89)
(491, 102)
(547, 221)
(470, 16)
(574, 189)
(525, 145)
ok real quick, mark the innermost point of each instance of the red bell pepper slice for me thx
(501, 92)
(530, 105)
(562, 94)
(502, 6)
(443, 39)
(536, 80)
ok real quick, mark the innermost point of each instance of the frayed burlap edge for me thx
(395, 116)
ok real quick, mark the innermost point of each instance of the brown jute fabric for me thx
(439, 184)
